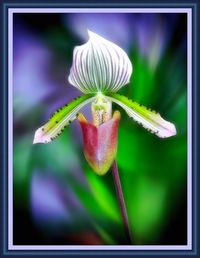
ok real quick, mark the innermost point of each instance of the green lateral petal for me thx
(60, 119)
(149, 119)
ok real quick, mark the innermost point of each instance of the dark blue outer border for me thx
(4, 6)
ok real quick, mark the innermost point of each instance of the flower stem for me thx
(121, 201)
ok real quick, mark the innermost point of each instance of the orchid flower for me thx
(100, 68)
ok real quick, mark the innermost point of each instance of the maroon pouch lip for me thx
(100, 143)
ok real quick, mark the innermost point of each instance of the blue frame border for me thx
(4, 119)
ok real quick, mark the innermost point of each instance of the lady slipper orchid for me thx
(100, 68)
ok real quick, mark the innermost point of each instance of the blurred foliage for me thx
(153, 171)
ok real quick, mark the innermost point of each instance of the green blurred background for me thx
(58, 199)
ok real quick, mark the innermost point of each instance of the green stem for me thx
(121, 201)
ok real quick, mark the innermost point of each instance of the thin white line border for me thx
(12, 11)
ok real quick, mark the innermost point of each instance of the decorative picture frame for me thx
(8, 247)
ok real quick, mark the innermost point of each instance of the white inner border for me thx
(11, 11)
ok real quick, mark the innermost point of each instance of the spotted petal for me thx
(99, 66)
(149, 119)
(60, 119)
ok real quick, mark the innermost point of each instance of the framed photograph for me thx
(99, 129)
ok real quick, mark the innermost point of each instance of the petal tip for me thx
(173, 131)
(39, 136)
(92, 34)
(170, 130)
(89, 32)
